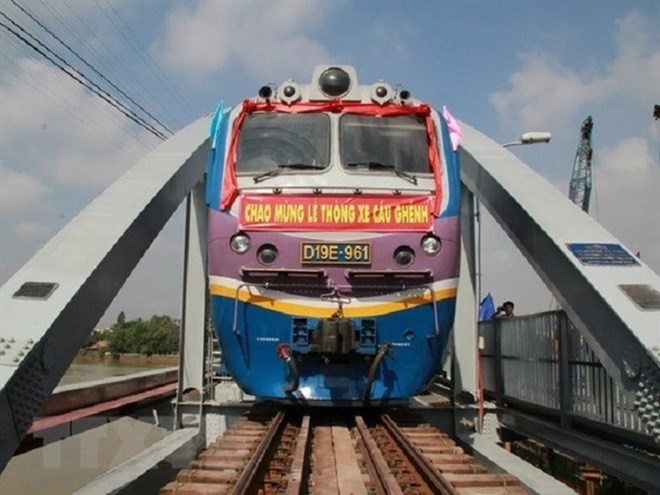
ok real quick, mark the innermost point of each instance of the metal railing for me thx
(541, 362)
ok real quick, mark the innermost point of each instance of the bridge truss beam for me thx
(611, 297)
(50, 306)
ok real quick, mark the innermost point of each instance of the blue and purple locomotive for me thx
(333, 239)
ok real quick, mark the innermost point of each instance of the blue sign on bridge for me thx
(602, 254)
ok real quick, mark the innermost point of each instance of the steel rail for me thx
(293, 454)
(382, 477)
(252, 473)
(425, 469)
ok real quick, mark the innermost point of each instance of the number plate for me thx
(346, 253)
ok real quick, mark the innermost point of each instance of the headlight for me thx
(404, 256)
(267, 254)
(240, 243)
(334, 82)
(431, 245)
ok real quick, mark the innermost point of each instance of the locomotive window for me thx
(397, 142)
(270, 140)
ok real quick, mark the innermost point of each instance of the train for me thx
(333, 239)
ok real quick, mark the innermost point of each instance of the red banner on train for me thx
(374, 213)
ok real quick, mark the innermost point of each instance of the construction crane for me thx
(580, 187)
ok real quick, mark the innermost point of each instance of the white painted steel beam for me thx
(464, 331)
(542, 223)
(86, 263)
(192, 348)
(628, 464)
(149, 468)
(496, 458)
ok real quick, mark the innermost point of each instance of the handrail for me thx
(541, 363)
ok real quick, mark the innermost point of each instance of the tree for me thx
(159, 335)
(121, 319)
(97, 336)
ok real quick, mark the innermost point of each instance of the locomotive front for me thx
(333, 239)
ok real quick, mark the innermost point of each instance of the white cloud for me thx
(624, 200)
(32, 231)
(59, 146)
(626, 185)
(19, 191)
(635, 73)
(543, 94)
(56, 130)
(619, 93)
(267, 38)
(386, 45)
(81, 21)
(630, 156)
(546, 94)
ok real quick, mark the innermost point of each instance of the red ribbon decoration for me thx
(230, 183)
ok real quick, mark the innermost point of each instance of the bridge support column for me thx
(464, 369)
(193, 317)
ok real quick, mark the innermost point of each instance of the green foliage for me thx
(159, 335)
(97, 336)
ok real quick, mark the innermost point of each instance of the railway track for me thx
(324, 453)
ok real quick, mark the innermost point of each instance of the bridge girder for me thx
(544, 224)
(86, 264)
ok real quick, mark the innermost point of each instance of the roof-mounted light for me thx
(404, 96)
(381, 92)
(334, 82)
(289, 92)
(265, 92)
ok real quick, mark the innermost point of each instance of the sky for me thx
(503, 67)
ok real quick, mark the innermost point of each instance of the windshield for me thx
(378, 143)
(271, 140)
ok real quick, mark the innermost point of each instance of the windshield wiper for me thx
(385, 166)
(286, 166)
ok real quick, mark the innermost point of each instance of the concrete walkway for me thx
(65, 466)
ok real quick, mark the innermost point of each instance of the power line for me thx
(132, 81)
(94, 88)
(41, 88)
(59, 78)
(80, 109)
(108, 99)
(105, 95)
(149, 59)
(45, 28)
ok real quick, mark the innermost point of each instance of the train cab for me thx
(333, 239)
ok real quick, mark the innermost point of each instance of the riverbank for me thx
(94, 357)
(90, 365)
